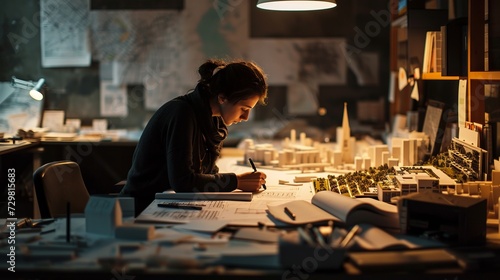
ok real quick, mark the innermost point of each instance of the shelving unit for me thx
(408, 33)
(483, 60)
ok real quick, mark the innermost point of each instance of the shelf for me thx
(437, 76)
(484, 75)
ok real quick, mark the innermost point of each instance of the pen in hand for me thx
(255, 170)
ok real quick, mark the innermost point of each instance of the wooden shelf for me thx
(485, 75)
(437, 76)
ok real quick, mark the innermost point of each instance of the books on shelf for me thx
(328, 205)
(432, 52)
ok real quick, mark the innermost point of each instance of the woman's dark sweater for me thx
(177, 150)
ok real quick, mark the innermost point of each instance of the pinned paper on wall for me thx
(64, 36)
(414, 92)
(113, 100)
(416, 73)
(402, 78)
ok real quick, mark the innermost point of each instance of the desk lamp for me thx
(34, 88)
(296, 5)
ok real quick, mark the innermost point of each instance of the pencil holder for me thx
(294, 253)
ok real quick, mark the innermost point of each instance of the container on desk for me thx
(294, 253)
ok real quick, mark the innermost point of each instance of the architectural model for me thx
(304, 154)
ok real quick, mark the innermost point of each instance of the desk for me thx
(101, 261)
(22, 158)
(186, 260)
(102, 163)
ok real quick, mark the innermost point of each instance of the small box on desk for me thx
(453, 219)
(294, 253)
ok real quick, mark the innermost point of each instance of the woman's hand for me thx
(251, 181)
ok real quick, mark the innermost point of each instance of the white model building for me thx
(345, 142)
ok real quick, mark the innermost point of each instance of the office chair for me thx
(56, 184)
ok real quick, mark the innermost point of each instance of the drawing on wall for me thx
(163, 49)
(64, 33)
(113, 100)
(18, 109)
(213, 29)
(142, 47)
(303, 65)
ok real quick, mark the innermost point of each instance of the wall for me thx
(76, 89)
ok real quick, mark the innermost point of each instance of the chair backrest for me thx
(56, 184)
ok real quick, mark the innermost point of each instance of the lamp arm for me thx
(17, 83)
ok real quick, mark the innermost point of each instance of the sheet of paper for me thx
(64, 33)
(245, 213)
(53, 119)
(285, 193)
(170, 236)
(203, 226)
(113, 100)
(469, 136)
(414, 92)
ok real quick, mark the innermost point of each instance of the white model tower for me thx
(347, 147)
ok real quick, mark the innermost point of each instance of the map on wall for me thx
(142, 47)
(163, 49)
(303, 65)
(213, 29)
(290, 60)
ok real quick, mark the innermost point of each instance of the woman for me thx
(182, 140)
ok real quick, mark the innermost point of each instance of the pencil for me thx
(350, 235)
(180, 206)
(255, 170)
(290, 213)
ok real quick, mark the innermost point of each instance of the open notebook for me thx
(327, 205)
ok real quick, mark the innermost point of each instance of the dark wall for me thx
(76, 89)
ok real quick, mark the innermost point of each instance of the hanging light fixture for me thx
(296, 5)
(35, 88)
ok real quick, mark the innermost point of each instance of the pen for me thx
(290, 213)
(255, 170)
(180, 206)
